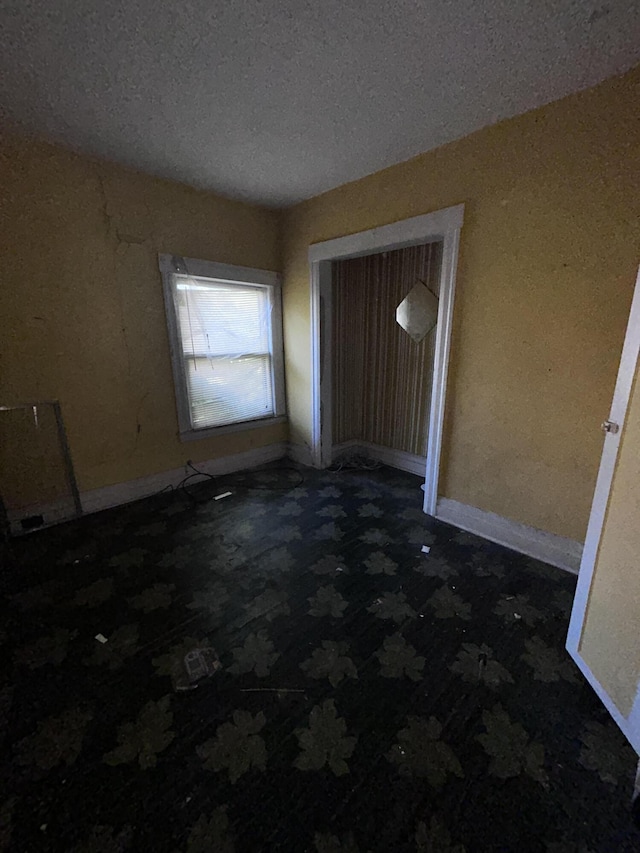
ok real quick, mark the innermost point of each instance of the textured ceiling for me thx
(274, 101)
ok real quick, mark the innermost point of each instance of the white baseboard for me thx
(52, 512)
(106, 497)
(556, 550)
(388, 456)
(133, 490)
(301, 454)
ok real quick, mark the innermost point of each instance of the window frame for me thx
(171, 265)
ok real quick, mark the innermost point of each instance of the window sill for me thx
(211, 432)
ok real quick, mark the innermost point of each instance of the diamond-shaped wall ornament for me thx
(418, 312)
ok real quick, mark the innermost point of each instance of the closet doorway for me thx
(381, 378)
(368, 383)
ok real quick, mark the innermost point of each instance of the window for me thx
(225, 331)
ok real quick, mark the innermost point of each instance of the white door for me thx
(604, 633)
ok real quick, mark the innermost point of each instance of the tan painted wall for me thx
(610, 642)
(82, 307)
(548, 257)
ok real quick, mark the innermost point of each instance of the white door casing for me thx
(441, 225)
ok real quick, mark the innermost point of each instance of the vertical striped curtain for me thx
(381, 378)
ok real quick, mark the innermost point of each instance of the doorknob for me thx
(610, 426)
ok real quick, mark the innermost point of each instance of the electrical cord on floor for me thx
(229, 484)
(356, 462)
(183, 486)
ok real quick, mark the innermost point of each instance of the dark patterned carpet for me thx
(369, 697)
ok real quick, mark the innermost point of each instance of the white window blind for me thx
(225, 331)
